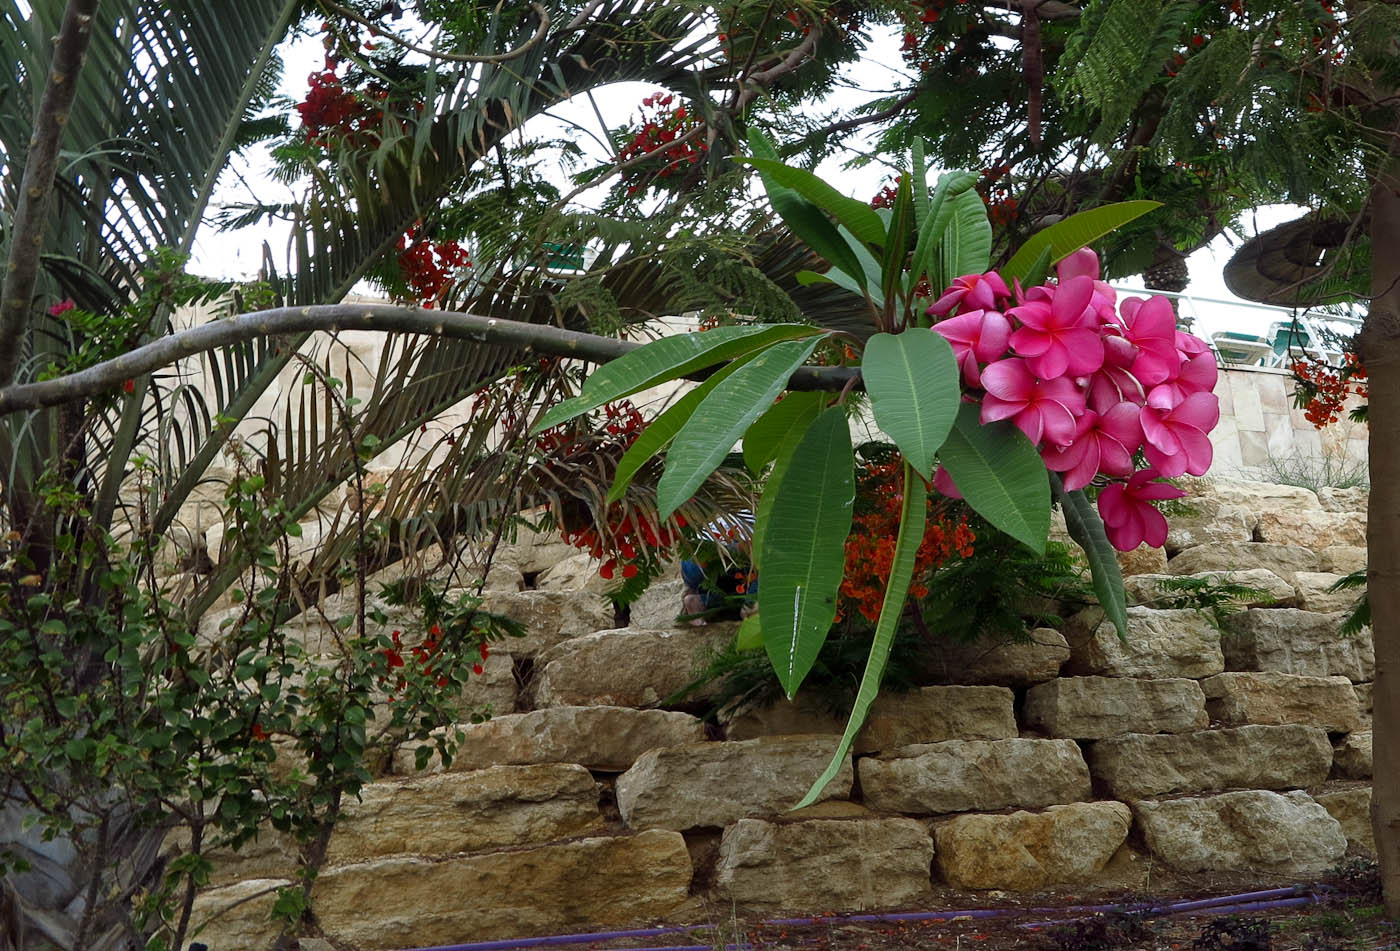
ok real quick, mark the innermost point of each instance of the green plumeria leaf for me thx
(1065, 237)
(935, 221)
(786, 447)
(901, 229)
(804, 548)
(661, 430)
(920, 188)
(1000, 475)
(765, 437)
(856, 215)
(721, 418)
(669, 358)
(913, 382)
(967, 241)
(749, 637)
(912, 519)
(1086, 528)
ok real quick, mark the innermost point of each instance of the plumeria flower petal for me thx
(1129, 516)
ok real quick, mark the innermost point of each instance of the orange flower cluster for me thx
(870, 546)
(1323, 388)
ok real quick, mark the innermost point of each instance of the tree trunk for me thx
(1380, 351)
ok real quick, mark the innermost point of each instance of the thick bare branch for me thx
(530, 338)
(36, 187)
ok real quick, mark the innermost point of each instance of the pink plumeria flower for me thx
(1102, 444)
(1085, 262)
(1176, 439)
(973, 292)
(1044, 410)
(1060, 335)
(1129, 517)
(1114, 382)
(978, 336)
(62, 307)
(1151, 327)
(943, 484)
(1195, 375)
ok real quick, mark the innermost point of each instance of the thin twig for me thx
(505, 57)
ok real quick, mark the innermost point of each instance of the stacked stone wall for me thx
(1076, 758)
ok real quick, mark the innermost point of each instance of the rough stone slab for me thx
(1159, 645)
(925, 715)
(1209, 523)
(714, 784)
(271, 855)
(1314, 592)
(238, 915)
(1256, 496)
(1314, 530)
(973, 775)
(533, 551)
(550, 617)
(1236, 698)
(1142, 560)
(1025, 850)
(408, 902)
(608, 739)
(493, 690)
(1251, 757)
(626, 667)
(1353, 499)
(1290, 641)
(997, 661)
(467, 812)
(1144, 589)
(1352, 810)
(1091, 708)
(1342, 559)
(1283, 560)
(578, 572)
(1251, 830)
(1352, 758)
(659, 605)
(1365, 694)
(790, 867)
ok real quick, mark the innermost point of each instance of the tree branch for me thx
(36, 188)
(508, 55)
(845, 125)
(387, 318)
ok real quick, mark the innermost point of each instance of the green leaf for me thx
(660, 431)
(669, 358)
(1069, 235)
(1040, 269)
(935, 221)
(749, 637)
(913, 382)
(967, 241)
(781, 460)
(804, 552)
(1086, 528)
(765, 437)
(920, 188)
(721, 418)
(833, 276)
(856, 215)
(897, 242)
(1001, 476)
(912, 519)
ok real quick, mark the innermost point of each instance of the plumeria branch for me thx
(387, 318)
(36, 187)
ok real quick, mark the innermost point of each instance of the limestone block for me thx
(1090, 708)
(925, 715)
(714, 784)
(1256, 496)
(1144, 589)
(1290, 641)
(406, 901)
(1236, 698)
(993, 660)
(1315, 530)
(658, 605)
(1314, 594)
(492, 690)
(1283, 560)
(1342, 559)
(627, 667)
(1025, 850)
(467, 812)
(1250, 830)
(1208, 523)
(550, 617)
(788, 867)
(1142, 560)
(968, 775)
(238, 915)
(533, 551)
(271, 855)
(1354, 499)
(1352, 758)
(601, 738)
(1158, 645)
(1352, 809)
(1138, 766)
(578, 572)
(1364, 695)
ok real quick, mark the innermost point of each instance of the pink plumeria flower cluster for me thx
(1091, 382)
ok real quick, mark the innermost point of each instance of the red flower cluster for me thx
(428, 268)
(870, 546)
(663, 125)
(332, 114)
(425, 658)
(1323, 388)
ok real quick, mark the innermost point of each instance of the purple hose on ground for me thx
(510, 944)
